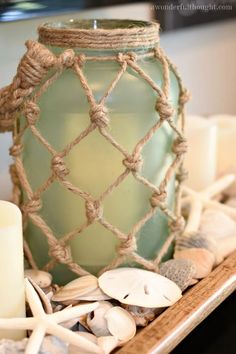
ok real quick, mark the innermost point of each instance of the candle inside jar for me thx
(12, 291)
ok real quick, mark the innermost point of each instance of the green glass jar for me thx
(94, 163)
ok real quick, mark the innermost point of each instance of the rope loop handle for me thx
(31, 70)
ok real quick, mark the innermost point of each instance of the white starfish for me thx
(199, 200)
(42, 323)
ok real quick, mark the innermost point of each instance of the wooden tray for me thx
(170, 328)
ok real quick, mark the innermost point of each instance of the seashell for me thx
(198, 240)
(217, 224)
(195, 240)
(95, 295)
(96, 320)
(226, 246)
(142, 315)
(120, 324)
(41, 278)
(43, 297)
(139, 287)
(231, 202)
(76, 288)
(107, 344)
(180, 271)
(202, 258)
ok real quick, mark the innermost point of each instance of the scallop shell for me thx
(79, 287)
(95, 295)
(180, 271)
(203, 259)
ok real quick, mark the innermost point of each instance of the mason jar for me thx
(95, 163)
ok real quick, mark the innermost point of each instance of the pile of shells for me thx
(127, 298)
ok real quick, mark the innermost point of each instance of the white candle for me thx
(12, 292)
(202, 152)
(226, 159)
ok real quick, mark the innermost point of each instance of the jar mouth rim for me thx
(100, 33)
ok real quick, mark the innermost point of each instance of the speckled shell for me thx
(180, 271)
(195, 240)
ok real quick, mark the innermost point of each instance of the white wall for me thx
(206, 58)
(205, 55)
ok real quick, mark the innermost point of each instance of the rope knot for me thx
(60, 252)
(32, 206)
(157, 198)
(67, 58)
(94, 210)
(59, 167)
(98, 115)
(180, 146)
(131, 56)
(133, 163)
(184, 97)
(157, 52)
(164, 109)
(120, 58)
(32, 112)
(16, 150)
(128, 246)
(177, 225)
(81, 59)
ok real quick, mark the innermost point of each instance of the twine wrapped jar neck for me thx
(100, 34)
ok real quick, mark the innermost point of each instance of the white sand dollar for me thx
(139, 287)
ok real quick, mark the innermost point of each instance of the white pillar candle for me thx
(12, 292)
(202, 152)
(226, 158)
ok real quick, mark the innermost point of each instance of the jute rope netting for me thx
(21, 97)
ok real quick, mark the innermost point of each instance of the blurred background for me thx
(198, 35)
